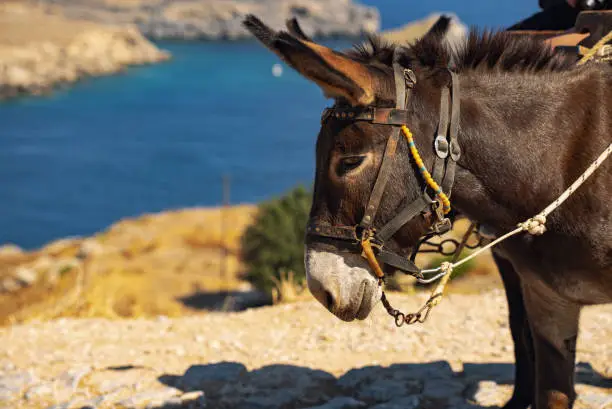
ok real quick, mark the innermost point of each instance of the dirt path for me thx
(290, 356)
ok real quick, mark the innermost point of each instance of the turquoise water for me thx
(162, 136)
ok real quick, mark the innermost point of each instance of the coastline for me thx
(40, 51)
(222, 19)
(50, 43)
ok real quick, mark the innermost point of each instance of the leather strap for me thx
(403, 217)
(385, 116)
(454, 148)
(399, 262)
(441, 145)
(346, 233)
(387, 161)
(384, 171)
(400, 80)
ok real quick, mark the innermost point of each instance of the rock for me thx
(198, 376)
(408, 402)
(17, 76)
(10, 250)
(64, 405)
(7, 366)
(266, 400)
(220, 19)
(41, 391)
(595, 400)
(70, 379)
(429, 370)
(195, 399)
(276, 386)
(16, 382)
(6, 396)
(26, 276)
(442, 388)
(92, 403)
(488, 393)
(353, 378)
(343, 402)
(90, 247)
(38, 65)
(281, 376)
(60, 389)
(115, 381)
(9, 285)
(149, 398)
(383, 390)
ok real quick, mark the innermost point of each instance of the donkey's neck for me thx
(520, 136)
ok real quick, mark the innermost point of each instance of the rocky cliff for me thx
(222, 19)
(171, 263)
(39, 50)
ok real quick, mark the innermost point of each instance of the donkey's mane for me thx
(486, 50)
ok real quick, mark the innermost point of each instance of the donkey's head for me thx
(349, 156)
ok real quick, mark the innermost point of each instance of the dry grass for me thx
(138, 267)
(287, 289)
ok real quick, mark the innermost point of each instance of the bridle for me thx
(364, 238)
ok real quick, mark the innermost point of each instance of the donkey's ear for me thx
(337, 74)
(439, 28)
(294, 28)
(448, 31)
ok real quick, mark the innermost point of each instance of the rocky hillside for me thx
(171, 263)
(39, 51)
(285, 357)
(222, 19)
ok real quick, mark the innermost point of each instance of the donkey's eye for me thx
(349, 163)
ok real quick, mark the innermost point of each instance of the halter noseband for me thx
(364, 236)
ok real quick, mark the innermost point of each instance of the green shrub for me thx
(273, 246)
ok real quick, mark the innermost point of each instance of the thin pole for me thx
(224, 273)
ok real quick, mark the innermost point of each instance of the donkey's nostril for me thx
(329, 300)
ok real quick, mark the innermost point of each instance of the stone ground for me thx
(289, 356)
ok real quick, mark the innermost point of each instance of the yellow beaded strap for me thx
(446, 205)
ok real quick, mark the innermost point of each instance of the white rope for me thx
(535, 225)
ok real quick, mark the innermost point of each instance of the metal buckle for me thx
(441, 147)
(443, 226)
(410, 77)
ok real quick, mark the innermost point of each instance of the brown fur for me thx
(531, 122)
(485, 50)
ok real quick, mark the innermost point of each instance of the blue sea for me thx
(163, 136)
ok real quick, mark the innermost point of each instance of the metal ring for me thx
(399, 319)
(441, 147)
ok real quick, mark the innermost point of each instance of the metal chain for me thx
(448, 247)
(420, 317)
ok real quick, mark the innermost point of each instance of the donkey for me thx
(531, 121)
